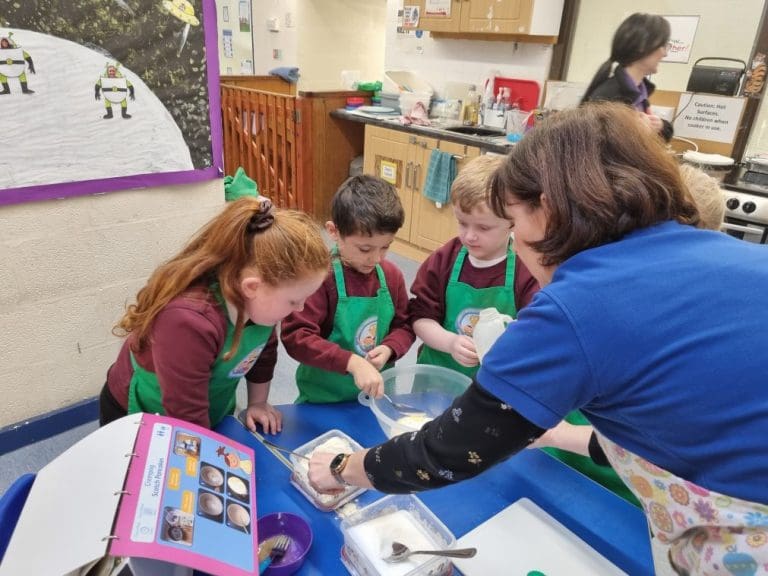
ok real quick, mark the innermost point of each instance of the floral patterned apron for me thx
(704, 532)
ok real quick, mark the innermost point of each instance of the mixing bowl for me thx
(300, 533)
(427, 390)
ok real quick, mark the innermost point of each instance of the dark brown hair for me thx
(636, 37)
(281, 246)
(604, 174)
(367, 205)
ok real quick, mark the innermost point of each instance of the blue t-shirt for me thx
(661, 339)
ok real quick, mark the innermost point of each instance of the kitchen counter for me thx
(498, 144)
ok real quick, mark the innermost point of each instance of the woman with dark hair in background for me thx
(639, 44)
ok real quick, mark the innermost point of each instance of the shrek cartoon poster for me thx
(102, 95)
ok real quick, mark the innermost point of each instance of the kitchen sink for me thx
(476, 131)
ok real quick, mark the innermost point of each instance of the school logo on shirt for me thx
(246, 363)
(466, 320)
(365, 336)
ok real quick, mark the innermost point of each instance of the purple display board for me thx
(105, 95)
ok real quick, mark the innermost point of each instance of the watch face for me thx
(337, 461)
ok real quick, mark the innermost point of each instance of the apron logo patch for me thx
(246, 363)
(365, 336)
(466, 320)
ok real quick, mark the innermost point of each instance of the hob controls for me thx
(732, 203)
(749, 207)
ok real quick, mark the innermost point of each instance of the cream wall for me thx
(726, 28)
(336, 35)
(449, 60)
(321, 38)
(67, 267)
(285, 41)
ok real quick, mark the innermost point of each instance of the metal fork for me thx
(279, 548)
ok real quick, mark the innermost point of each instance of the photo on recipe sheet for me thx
(190, 499)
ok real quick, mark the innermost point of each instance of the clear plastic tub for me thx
(369, 532)
(324, 502)
(427, 390)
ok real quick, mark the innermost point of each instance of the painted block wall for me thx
(67, 269)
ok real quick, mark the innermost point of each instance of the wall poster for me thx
(683, 31)
(101, 96)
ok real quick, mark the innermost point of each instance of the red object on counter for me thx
(524, 93)
(355, 101)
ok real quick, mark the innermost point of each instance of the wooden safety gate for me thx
(260, 135)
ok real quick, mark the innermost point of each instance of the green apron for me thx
(462, 309)
(603, 475)
(145, 395)
(360, 324)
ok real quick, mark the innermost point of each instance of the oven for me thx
(745, 190)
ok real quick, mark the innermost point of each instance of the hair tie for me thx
(262, 219)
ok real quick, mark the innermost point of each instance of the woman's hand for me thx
(320, 476)
(463, 350)
(263, 413)
(379, 356)
(366, 376)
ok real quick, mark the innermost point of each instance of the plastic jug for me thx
(490, 325)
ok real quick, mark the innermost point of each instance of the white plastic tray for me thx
(524, 538)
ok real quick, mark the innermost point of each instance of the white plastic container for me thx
(324, 502)
(490, 325)
(369, 532)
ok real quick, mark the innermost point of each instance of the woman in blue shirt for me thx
(654, 329)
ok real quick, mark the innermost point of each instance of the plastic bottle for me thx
(470, 109)
(490, 325)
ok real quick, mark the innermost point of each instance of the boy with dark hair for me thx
(357, 321)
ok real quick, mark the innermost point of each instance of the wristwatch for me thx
(337, 466)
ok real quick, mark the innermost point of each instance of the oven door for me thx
(743, 230)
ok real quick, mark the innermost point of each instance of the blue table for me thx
(609, 524)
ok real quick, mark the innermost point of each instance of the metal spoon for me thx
(403, 407)
(401, 552)
(281, 449)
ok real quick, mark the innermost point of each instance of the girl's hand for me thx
(379, 356)
(263, 413)
(366, 376)
(320, 477)
(463, 351)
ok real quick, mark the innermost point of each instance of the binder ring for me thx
(110, 537)
(131, 455)
(116, 492)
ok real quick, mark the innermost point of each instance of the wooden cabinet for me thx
(402, 159)
(533, 20)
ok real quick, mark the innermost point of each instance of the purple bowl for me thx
(301, 540)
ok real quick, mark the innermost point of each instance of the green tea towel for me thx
(440, 176)
(239, 185)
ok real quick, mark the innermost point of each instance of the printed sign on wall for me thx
(682, 34)
(708, 117)
(100, 96)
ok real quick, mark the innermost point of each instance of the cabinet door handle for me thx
(416, 177)
(408, 170)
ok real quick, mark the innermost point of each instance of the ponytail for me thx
(602, 74)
